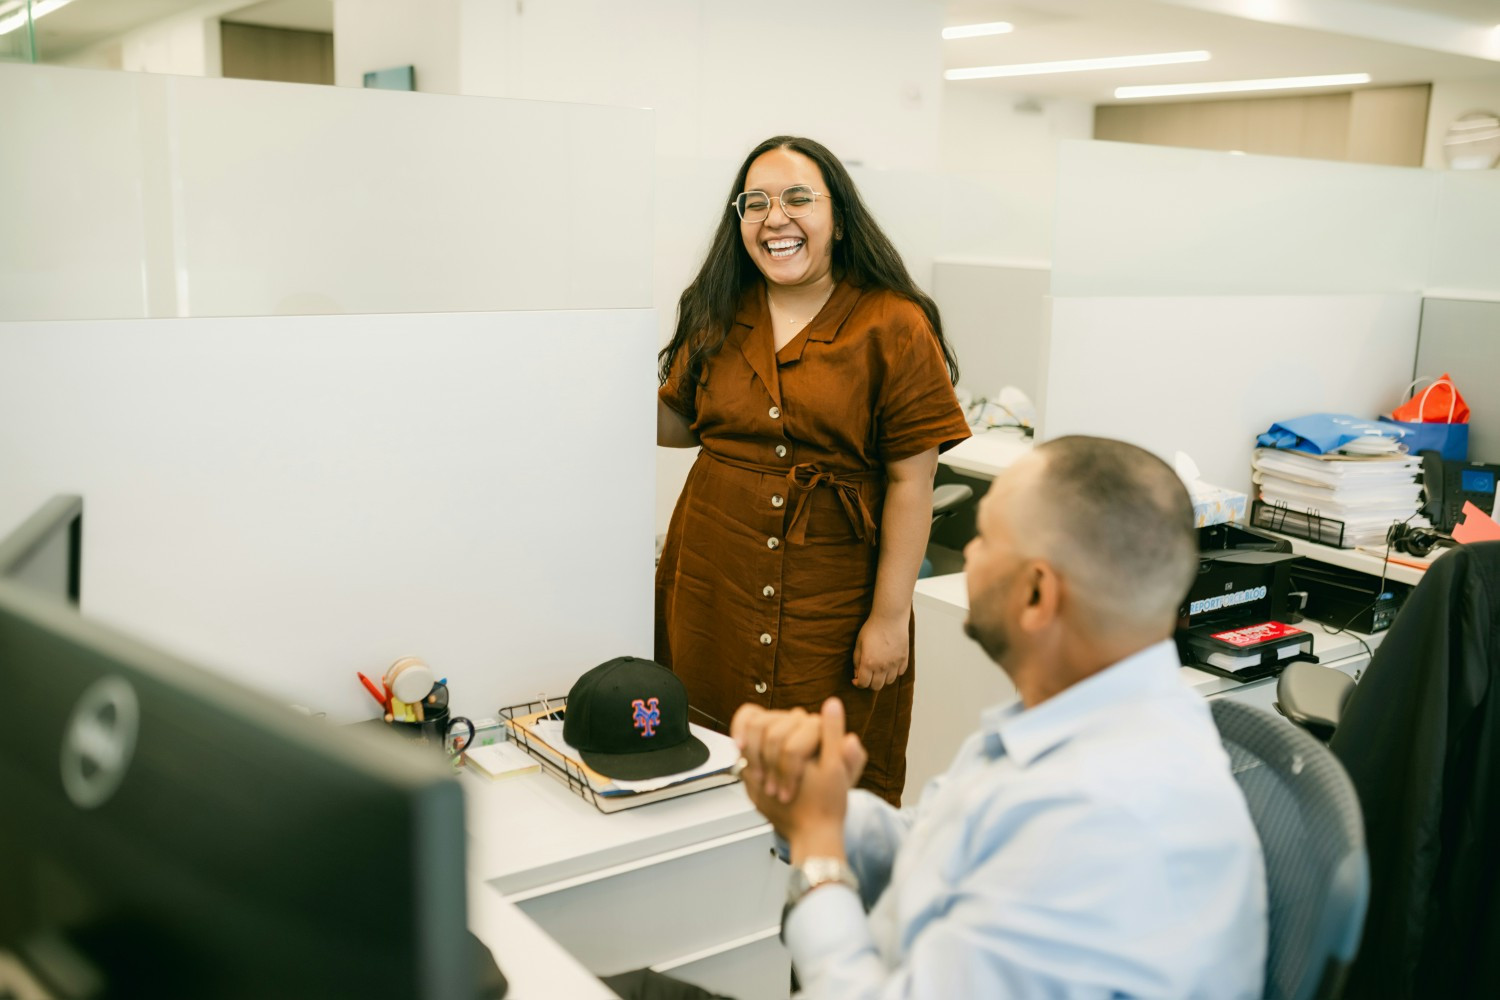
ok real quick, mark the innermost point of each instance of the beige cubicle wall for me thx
(1381, 125)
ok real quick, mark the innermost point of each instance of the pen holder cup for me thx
(439, 729)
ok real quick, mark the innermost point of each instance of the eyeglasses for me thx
(796, 202)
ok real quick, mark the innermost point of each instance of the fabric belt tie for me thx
(803, 479)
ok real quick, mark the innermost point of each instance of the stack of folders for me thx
(1366, 492)
(541, 734)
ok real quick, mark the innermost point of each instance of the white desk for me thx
(1355, 559)
(987, 453)
(687, 886)
(956, 680)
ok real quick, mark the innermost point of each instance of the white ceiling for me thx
(83, 23)
(1484, 12)
(304, 15)
(86, 22)
(1047, 30)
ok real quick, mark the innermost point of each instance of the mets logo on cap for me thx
(628, 719)
(646, 715)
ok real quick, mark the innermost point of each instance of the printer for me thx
(1238, 618)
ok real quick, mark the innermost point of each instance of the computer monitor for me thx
(165, 832)
(45, 552)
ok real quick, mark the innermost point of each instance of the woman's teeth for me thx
(783, 248)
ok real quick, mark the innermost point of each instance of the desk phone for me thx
(1449, 485)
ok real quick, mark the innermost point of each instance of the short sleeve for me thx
(917, 409)
(679, 391)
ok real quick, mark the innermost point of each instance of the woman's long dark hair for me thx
(864, 257)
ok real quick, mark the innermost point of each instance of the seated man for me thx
(1089, 841)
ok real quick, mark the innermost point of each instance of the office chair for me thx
(1313, 696)
(1310, 828)
(946, 500)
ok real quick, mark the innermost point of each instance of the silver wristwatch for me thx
(816, 871)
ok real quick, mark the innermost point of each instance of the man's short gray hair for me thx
(1117, 523)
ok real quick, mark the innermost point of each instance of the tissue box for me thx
(1216, 505)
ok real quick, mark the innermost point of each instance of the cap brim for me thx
(650, 764)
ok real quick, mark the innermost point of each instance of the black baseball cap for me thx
(628, 719)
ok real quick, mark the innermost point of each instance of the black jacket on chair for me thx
(1420, 738)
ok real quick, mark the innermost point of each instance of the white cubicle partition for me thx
(995, 316)
(1153, 220)
(1198, 296)
(1464, 261)
(293, 499)
(1206, 374)
(136, 195)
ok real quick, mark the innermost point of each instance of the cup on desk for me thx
(438, 729)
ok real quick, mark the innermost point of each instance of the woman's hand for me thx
(881, 651)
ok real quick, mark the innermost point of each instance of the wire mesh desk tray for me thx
(569, 772)
(1305, 524)
(575, 776)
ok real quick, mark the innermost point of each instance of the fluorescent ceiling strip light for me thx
(1238, 86)
(1076, 65)
(978, 30)
(39, 9)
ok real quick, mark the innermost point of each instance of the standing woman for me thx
(814, 374)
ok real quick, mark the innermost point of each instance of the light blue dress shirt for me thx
(1093, 846)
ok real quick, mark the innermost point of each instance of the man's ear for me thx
(1043, 590)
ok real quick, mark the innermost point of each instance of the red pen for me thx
(375, 692)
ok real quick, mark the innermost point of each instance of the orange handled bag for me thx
(1435, 419)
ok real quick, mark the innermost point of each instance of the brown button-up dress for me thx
(768, 571)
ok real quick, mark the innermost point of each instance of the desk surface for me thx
(1359, 559)
(987, 453)
(530, 831)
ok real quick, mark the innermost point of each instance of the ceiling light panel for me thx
(1242, 86)
(978, 30)
(1076, 65)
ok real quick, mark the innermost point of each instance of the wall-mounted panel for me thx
(293, 499)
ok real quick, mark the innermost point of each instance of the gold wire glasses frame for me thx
(796, 202)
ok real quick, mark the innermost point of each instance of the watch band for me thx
(816, 871)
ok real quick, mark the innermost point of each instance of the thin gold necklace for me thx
(792, 320)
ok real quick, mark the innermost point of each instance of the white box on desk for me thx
(1216, 505)
(1211, 504)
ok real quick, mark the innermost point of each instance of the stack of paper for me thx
(1368, 492)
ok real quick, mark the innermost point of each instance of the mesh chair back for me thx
(1317, 871)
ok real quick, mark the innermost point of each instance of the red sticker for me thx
(1251, 635)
